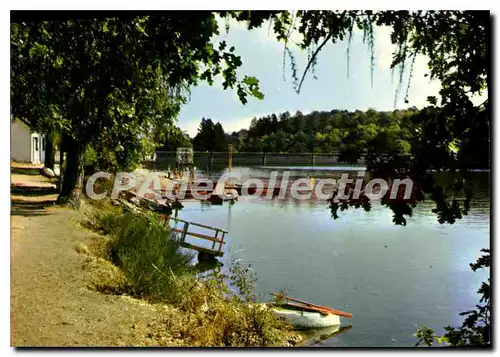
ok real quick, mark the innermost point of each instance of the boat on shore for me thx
(303, 318)
(305, 315)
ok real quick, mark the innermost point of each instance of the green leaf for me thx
(453, 146)
(442, 339)
(140, 28)
(432, 100)
(251, 81)
(257, 94)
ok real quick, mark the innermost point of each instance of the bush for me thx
(229, 315)
(149, 256)
(101, 216)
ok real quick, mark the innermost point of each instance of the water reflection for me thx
(315, 168)
(207, 266)
(315, 337)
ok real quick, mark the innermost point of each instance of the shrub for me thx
(149, 257)
(229, 315)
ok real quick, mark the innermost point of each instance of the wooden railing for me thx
(217, 239)
(253, 158)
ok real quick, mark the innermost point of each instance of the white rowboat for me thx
(304, 319)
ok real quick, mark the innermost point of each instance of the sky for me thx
(262, 57)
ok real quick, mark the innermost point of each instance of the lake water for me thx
(391, 278)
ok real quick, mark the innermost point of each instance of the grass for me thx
(139, 257)
(153, 265)
(149, 257)
(25, 171)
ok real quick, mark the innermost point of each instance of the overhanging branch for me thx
(312, 60)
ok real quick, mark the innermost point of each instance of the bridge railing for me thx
(254, 158)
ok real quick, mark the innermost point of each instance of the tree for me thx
(176, 138)
(350, 134)
(220, 143)
(204, 140)
(113, 82)
(211, 137)
(235, 140)
(50, 150)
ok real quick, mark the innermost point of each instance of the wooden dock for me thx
(217, 239)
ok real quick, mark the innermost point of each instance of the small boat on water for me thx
(302, 318)
(305, 315)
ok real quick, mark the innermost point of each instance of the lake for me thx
(391, 278)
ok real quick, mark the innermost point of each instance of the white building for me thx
(25, 144)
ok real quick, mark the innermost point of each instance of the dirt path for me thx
(50, 303)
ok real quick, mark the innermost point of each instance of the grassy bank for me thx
(140, 258)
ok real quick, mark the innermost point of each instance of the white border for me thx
(185, 4)
(254, 5)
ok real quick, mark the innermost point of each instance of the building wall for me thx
(20, 142)
(22, 147)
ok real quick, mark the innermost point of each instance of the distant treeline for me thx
(350, 133)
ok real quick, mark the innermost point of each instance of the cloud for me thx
(420, 86)
(237, 124)
(383, 47)
(479, 98)
(229, 125)
(190, 127)
(266, 34)
(263, 34)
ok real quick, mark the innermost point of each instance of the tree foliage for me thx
(211, 137)
(349, 134)
(114, 83)
(175, 138)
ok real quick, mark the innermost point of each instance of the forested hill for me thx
(327, 131)
(319, 131)
(349, 132)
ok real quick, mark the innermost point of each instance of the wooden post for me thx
(186, 225)
(264, 158)
(216, 234)
(313, 161)
(221, 241)
(230, 149)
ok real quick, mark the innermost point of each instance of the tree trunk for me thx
(49, 151)
(72, 180)
(62, 165)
